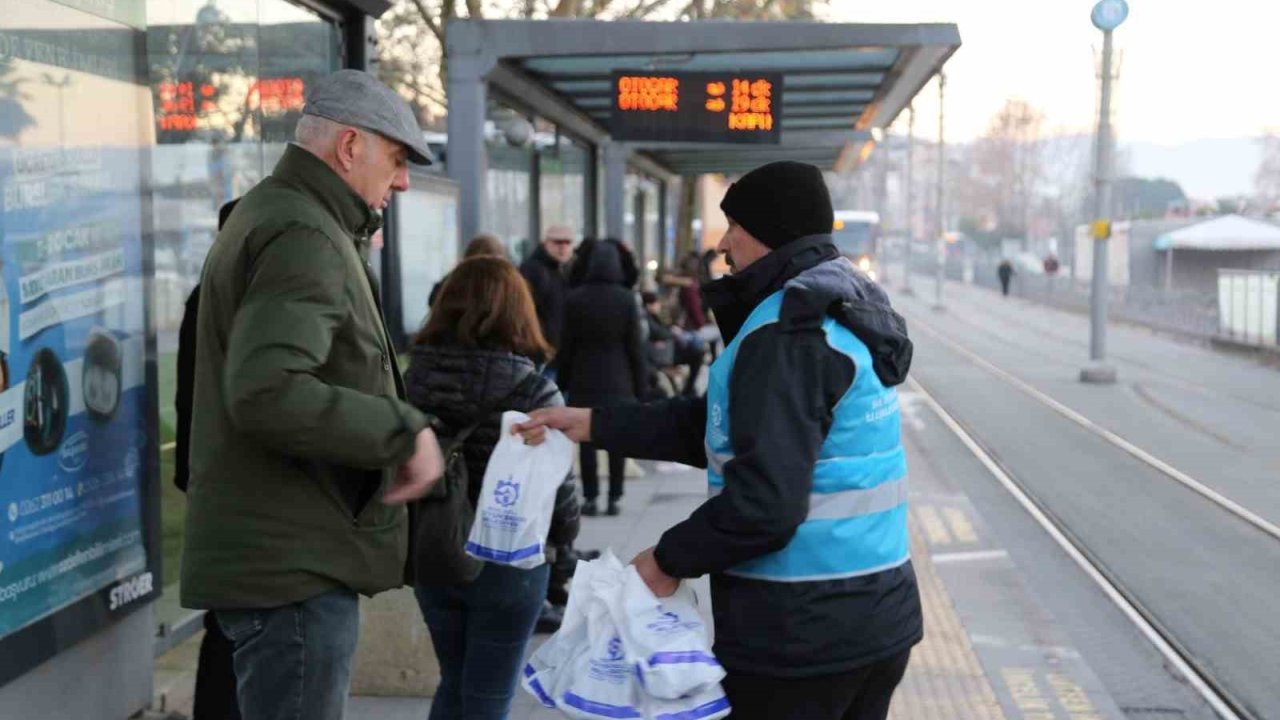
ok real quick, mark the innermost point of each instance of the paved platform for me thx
(990, 650)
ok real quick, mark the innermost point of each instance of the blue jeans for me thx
(294, 662)
(480, 632)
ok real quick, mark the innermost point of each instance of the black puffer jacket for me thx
(601, 358)
(453, 384)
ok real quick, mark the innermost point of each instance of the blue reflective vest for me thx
(857, 521)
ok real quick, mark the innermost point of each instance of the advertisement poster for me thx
(73, 391)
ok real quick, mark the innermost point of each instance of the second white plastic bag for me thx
(666, 638)
(518, 497)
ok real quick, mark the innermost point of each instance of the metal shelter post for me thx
(615, 188)
(468, 160)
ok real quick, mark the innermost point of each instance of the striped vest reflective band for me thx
(857, 521)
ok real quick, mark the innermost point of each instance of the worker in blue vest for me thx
(805, 533)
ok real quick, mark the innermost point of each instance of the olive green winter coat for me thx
(298, 421)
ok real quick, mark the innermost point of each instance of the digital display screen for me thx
(731, 107)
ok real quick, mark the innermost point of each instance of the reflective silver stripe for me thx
(854, 503)
(818, 578)
(716, 461)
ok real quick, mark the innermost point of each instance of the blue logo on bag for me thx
(615, 650)
(669, 622)
(507, 492)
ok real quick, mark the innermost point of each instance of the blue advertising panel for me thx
(78, 456)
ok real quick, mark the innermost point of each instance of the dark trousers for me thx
(1004, 284)
(294, 661)
(861, 694)
(215, 676)
(480, 631)
(591, 473)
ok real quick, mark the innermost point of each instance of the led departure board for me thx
(735, 107)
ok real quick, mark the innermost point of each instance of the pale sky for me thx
(1191, 69)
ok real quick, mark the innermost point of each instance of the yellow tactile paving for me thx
(944, 680)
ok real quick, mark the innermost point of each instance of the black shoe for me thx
(549, 619)
(614, 509)
(584, 554)
(590, 509)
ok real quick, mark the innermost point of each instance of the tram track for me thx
(1197, 673)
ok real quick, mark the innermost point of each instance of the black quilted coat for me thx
(453, 384)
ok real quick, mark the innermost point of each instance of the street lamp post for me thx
(910, 198)
(941, 229)
(1107, 16)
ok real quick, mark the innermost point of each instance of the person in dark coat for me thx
(601, 359)
(1005, 273)
(482, 245)
(814, 596)
(480, 349)
(215, 695)
(545, 272)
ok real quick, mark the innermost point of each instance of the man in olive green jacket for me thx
(303, 449)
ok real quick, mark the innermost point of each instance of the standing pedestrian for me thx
(482, 245)
(215, 691)
(477, 356)
(814, 597)
(304, 450)
(601, 357)
(545, 272)
(1005, 273)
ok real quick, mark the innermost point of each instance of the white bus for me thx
(857, 236)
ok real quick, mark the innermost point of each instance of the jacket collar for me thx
(300, 168)
(732, 298)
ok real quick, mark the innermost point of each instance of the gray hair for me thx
(316, 133)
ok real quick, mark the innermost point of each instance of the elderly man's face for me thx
(559, 247)
(740, 247)
(376, 167)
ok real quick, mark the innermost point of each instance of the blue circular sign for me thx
(1108, 14)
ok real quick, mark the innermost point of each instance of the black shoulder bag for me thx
(441, 521)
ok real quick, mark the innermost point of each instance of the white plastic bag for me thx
(546, 674)
(666, 638)
(602, 682)
(518, 497)
(708, 704)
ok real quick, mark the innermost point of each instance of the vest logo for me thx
(506, 493)
(74, 452)
(131, 590)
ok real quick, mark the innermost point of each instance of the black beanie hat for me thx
(780, 202)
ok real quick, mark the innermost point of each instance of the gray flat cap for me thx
(356, 98)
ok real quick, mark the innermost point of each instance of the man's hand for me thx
(575, 423)
(419, 473)
(660, 583)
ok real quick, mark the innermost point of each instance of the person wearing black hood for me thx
(814, 596)
(601, 359)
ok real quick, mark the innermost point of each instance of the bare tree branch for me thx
(437, 28)
(644, 9)
(474, 9)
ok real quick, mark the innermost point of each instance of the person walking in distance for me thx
(814, 597)
(1005, 273)
(304, 450)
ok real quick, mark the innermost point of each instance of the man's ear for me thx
(348, 142)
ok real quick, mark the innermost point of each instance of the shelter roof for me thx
(1226, 233)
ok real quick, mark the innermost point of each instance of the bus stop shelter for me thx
(843, 84)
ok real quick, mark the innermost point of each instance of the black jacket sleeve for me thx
(185, 396)
(670, 429)
(784, 386)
